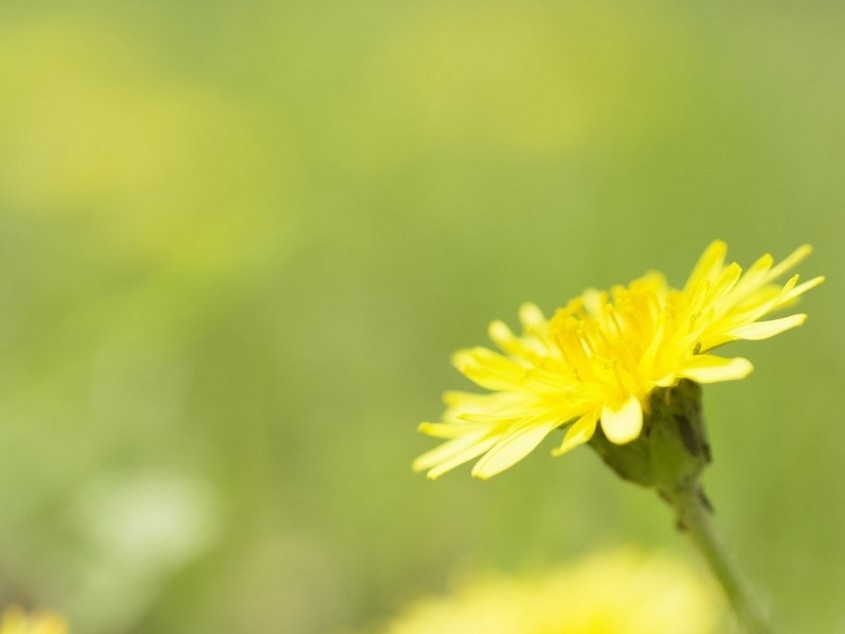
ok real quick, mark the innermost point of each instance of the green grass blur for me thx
(239, 241)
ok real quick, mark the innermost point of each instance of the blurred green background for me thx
(239, 242)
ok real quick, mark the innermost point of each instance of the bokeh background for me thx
(239, 241)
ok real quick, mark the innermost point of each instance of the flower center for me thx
(603, 337)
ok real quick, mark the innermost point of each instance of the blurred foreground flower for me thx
(608, 593)
(16, 621)
(600, 359)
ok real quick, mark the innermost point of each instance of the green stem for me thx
(694, 516)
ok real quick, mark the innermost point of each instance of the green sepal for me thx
(671, 450)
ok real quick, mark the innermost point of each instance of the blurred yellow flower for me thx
(608, 593)
(16, 621)
(599, 358)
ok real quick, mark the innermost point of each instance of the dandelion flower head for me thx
(597, 360)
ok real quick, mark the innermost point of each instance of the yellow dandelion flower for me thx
(621, 590)
(16, 621)
(597, 360)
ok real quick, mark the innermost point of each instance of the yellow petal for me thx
(726, 280)
(531, 317)
(489, 369)
(765, 329)
(511, 449)
(623, 424)
(794, 258)
(452, 454)
(708, 264)
(708, 368)
(802, 288)
(579, 433)
(450, 430)
(499, 333)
